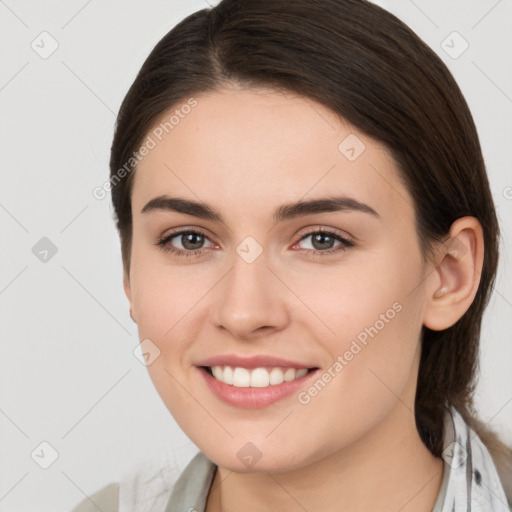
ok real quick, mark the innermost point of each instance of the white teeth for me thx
(276, 376)
(217, 372)
(289, 374)
(257, 378)
(260, 378)
(228, 375)
(241, 378)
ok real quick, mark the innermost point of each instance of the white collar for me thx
(471, 482)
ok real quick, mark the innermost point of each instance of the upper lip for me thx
(259, 361)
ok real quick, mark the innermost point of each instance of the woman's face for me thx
(264, 283)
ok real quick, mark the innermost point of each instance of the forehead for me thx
(262, 147)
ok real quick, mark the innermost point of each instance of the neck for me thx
(388, 469)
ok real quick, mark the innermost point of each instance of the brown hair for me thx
(367, 66)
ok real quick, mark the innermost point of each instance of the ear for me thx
(453, 284)
(128, 292)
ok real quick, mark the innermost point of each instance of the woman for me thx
(309, 242)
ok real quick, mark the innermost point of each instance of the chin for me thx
(248, 458)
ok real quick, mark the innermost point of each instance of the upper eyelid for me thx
(182, 231)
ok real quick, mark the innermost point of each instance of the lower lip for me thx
(253, 398)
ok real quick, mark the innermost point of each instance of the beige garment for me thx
(106, 500)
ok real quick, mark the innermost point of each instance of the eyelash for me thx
(163, 244)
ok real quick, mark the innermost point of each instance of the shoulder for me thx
(106, 500)
(146, 487)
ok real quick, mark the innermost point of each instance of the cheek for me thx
(375, 312)
(164, 294)
(368, 294)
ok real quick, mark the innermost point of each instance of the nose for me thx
(250, 301)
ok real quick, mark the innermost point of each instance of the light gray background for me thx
(68, 375)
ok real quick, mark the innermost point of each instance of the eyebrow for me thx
(282, 213)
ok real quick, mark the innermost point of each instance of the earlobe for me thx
(453, 285)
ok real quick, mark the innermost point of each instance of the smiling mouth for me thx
(255, 377)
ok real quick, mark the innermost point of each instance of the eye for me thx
(323, 242)
(191, 242)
